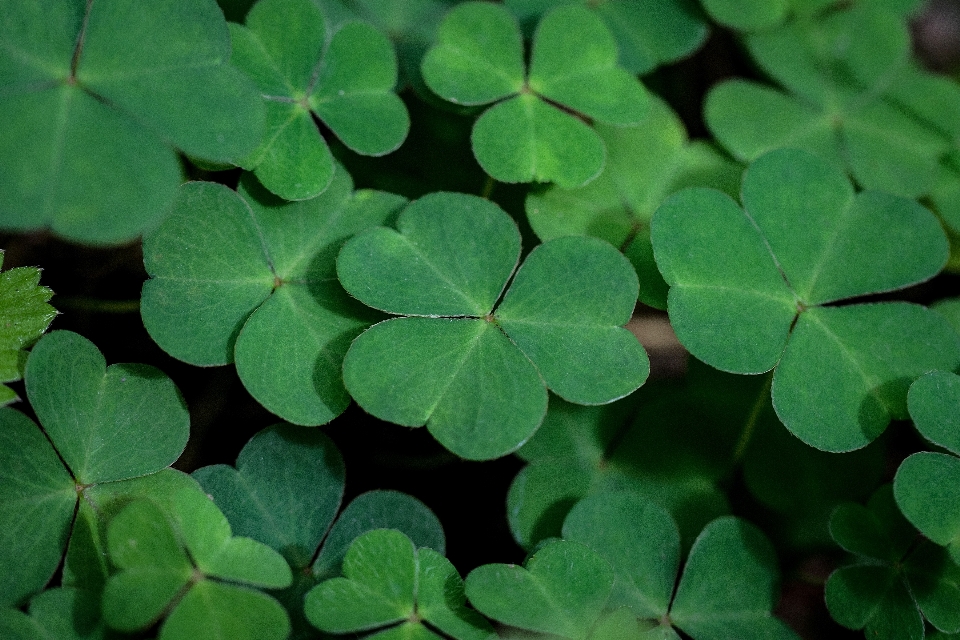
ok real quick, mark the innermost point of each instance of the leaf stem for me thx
(488, 188)
(83, 303)
(750, 426)
(81, 37)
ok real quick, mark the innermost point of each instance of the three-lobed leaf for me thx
(465, 365)
(750, 298)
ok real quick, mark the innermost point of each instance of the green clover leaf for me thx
(475, 371)
(111, 410)
(727, 587)
(749, 289)
(98, 97)
(647, 36)
(526, 136)
(560, 590)
(705, 421)
(157, 566)
(837, 68)
(304, 68)
(247, 278)
(391, 587)
(24, 316)
(895, 581)
(285, 492)
(645, 164)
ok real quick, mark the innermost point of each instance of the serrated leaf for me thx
(268, 268)
(97, 416)
(561, 590)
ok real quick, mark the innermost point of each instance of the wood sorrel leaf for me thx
(465, 368)
(934, 405)
(111, 410)
(478, 59)
(260, 289)
(753, 15)
(561, 590)
(285, 490)
(927, 489)
(124, 93)
(218, 611)
(728, 585)
(386, 580)
(344, 74)
(747, 299)
(37, 500)
(647, 36)
(639, 540)
(645, 164)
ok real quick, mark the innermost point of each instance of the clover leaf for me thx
(752, 15)
(836, 69)
(98, 97)
(895, 581)
(285, 492)
(160, 560)
(391, 587)
(92, 444)
(473, 369)
(304, 68)
(24, 316)
(647, 36)
(560, 590)
(645, 164)
(247, 278)
(527, 136)
(727, 587)
(702, 422)
(754, 294)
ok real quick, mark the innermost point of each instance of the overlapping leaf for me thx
(96, 418)
(752, 295)
(303, 67)
(645, 164)
(24, 316)
(476, 371)
(387, 581)
(478, 59)
(927, 485)
(561, 590)
(285, 492)
(96, 102)
(836, 69)
(247, 278)
(728, 584)
(670, 443)
(752, 15)
(160, 560)
(895, 581)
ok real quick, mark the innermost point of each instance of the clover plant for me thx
(670, 285)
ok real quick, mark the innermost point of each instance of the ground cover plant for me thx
(419, 319)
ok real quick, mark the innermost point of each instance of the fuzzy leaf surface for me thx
(561, 590)
(260, 289)
(98, 416)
